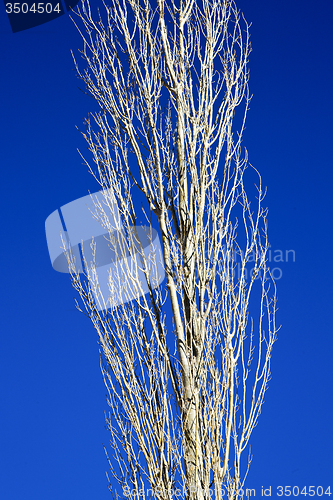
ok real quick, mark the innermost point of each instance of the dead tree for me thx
(187, 363)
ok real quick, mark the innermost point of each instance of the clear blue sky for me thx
(52, 394)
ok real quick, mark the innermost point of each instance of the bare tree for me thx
(168, 77)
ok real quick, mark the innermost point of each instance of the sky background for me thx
(52, 393)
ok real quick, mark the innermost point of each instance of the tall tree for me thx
(168, 77)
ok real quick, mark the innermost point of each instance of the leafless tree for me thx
(186, 364)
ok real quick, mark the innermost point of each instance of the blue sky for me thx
(52, 393)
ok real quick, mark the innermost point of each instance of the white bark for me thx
(168, 78)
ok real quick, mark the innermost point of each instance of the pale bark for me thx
(168, 78)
